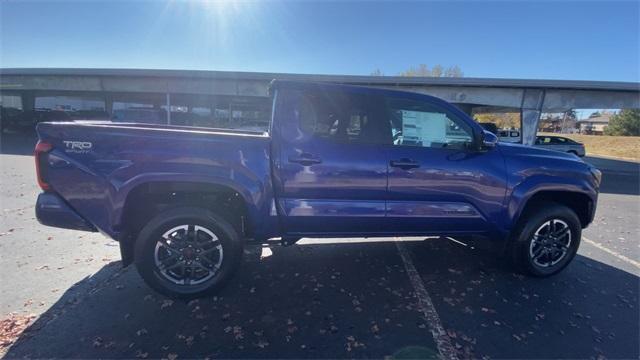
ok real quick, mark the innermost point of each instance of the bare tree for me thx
(453, 71)
(423, 70)
(436, 71)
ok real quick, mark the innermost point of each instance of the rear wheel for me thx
(187, 252)
(547, 239)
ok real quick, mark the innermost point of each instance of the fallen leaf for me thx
(166, 303)
(97, 342)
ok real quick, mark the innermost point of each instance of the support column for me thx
(530, 111)
(168, 108)
(108, 104)
(466, 108)
(28, 100)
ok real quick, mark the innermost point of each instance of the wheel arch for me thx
(147, 199)
(581, 203)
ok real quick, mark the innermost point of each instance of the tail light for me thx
(40, 154)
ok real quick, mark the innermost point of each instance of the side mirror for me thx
(489, 139)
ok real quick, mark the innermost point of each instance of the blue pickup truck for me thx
(337, 161)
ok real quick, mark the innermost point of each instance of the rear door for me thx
(330, 169)
(438, 181)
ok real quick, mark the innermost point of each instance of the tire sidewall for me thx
(147, 240)
(531, 224)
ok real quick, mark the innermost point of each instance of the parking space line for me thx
(621, 257)
(446, 350)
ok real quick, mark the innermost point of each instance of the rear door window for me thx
(342, 116)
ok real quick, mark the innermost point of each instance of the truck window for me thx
(342, 116)
(416, 123)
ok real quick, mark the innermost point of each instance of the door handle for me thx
(404, 163)
(305, 159)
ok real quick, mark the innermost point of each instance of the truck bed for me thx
(94, 165)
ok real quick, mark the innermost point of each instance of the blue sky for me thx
(511, 39)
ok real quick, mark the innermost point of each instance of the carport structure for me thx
(231, 92)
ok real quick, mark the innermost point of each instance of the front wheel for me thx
(547, 239)
(187, 252)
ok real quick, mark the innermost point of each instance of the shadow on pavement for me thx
(618, 176)
(349, 301)
(312, 301)
(587, 311)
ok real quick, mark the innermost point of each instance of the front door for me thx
(330, 169)
(438, 182)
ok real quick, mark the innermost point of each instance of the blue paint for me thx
(51, 210)
(297, 184)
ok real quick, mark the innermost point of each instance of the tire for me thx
(535, 250)
(189, 236)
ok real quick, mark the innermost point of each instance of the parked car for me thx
(512, 136)
(339, 161)
(559, 143)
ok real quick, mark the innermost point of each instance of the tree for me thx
(569, 120)
(438, 70)
(624, 123)
(453, 72)
(506, 120)
(420, 70)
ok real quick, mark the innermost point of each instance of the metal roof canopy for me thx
(351, 79)
(559, 95)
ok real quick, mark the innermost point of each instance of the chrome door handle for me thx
(305, 159)
(405, 164)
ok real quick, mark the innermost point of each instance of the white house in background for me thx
(594, 125)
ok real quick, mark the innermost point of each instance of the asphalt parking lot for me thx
(344, 298)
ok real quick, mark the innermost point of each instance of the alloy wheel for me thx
(550, 243)
(188, 255)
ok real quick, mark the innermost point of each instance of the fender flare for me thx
(121, 193)
(523, 192)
